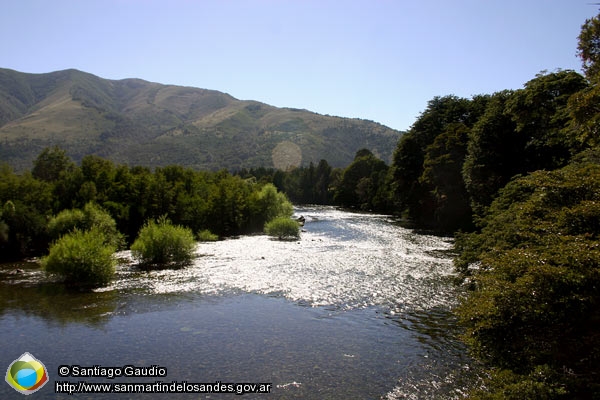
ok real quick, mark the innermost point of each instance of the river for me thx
(358, 308)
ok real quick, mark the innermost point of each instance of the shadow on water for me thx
(31, 294)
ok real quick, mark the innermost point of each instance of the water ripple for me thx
(343, 259)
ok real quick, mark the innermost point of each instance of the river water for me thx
(358, 308)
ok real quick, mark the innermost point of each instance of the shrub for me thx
(162, 244)
(274, 204)
(82, 258)
(283, 228)
(207, 236)
(97, 217)
(66, 221)
(92, 216)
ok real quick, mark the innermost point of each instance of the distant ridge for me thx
(136, 122)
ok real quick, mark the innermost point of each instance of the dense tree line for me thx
(449, 167)
(220, 202)
(362, 185)
(519, 170)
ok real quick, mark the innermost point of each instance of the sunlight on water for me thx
(374, 318)
(343, 260)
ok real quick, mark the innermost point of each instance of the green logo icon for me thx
(27, 374)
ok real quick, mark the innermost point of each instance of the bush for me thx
(66, 221)
(162, 244)
(207, 236)
(274, 204)
(283, 228)
(82, 258)
(92, 216)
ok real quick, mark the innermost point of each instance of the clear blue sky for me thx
(374, 59)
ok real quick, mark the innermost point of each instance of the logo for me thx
(27, 374)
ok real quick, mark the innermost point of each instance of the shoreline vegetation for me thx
(514, 174)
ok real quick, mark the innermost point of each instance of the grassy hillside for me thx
(137, 122)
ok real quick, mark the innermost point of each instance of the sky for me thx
(380, 60)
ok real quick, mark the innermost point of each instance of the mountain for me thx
(143, 123)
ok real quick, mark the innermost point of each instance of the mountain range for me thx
(137, 122)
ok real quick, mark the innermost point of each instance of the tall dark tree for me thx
(362, 183)
(410, 192)
(494, 155)
(541, 116)
(521, 132)
(51, 164)
(322, 186)
(584, 106)
(589, 48)
(442, 172)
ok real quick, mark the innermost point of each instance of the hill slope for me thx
(143, 123)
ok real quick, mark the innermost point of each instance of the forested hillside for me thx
(135, 122)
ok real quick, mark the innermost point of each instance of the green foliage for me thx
(362, 183)
(90, 217)
(494, 153)
(542, 383)
(521, 132)
(66, 221)
(82, 258)
(273, 204)
(584, 110)
(589, 48)
(162, 244)
(535, 298)
(541, 115)
(414, 190)
(207, 236)
(125, 198)
(442, 172)
(26, 202)
(51, 164)
(283, 228)
(3, 226)
(460, 152)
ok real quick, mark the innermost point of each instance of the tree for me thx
(520, 132)
(273, 204)
(51, 164)
(494, 153)
(322, 185)
(541, 116)
(411, 193)
(26, 202)
(584, 106)
(589, 48)
(100, 173)
(442, 172)
(534, 308)
(361, 182)
(584, 112)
